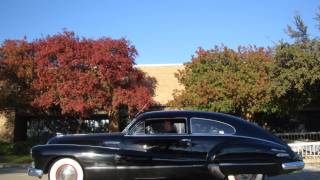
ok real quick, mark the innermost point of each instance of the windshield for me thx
(129, 125)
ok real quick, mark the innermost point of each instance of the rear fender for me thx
(248, 156)
(246, 149)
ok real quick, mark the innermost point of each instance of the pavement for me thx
(18, 172)
(310, 172)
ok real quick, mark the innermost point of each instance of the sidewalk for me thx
(9, 165)
(18, 172)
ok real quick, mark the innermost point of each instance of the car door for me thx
(155, 147)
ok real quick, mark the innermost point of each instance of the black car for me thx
(168, 144)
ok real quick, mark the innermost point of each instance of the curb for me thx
(9, 165)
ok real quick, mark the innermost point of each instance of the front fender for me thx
(86, 155)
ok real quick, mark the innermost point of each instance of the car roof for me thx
(226, 118)
(243, 127)
(185, 113)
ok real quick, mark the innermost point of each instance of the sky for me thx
(163, 31)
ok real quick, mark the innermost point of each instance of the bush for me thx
(22, 147)
(18, 148)
(6, 148)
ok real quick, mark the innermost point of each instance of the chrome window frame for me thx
(164, 134)
(127, 128)
(135, 126)
(210, 134)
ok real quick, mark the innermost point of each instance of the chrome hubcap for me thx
(66, 172)
(245, 177)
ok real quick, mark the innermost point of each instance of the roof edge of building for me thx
(152, 65)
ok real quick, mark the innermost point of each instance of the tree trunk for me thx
(20, 127)
(79, 127)
(113, 124)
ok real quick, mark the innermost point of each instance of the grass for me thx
(15, 159)
(15, 153)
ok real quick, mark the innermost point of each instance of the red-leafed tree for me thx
(16, 75)
(82, 76)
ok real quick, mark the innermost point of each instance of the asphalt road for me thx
(309, 173)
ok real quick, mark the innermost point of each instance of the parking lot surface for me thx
(309, 173)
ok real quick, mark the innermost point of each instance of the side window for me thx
(210, 127)
(138, 129)
(165, 126)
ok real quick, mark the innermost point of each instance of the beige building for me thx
(166, 84)
(7, 118)
(166, 80)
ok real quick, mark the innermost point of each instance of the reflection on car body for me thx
(169, 144)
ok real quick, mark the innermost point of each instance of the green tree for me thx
(296, 72)
(225, 80)
(300, 31)
(317, 18)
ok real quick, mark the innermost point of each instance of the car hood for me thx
(99, 139)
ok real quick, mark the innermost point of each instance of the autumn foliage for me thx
(225, 80)
(78, 77)
(16, 73)
(268, 82)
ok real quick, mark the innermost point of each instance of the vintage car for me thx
(168, 144)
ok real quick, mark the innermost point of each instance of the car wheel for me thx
(246, 177)
(66, 169)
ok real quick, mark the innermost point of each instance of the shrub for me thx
(6, 148)
(18, 148)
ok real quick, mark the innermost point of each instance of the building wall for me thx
(7, 119)
(166, 80)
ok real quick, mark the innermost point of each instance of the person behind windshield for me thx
(169, 127)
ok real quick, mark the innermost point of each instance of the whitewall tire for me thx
(246, 177)
(66, 168)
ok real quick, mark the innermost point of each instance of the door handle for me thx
(118, 158)
(186, 142)
(148, 147)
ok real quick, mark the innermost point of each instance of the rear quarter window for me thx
(210, 127)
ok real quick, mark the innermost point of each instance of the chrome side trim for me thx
(208, 135)
(179, 160)
(157, 135)
(297, 165)
(278, 150)
(80, 145)
(246, 164)
(142, 167)
(282, 155)
(35, 172)
(151, 178)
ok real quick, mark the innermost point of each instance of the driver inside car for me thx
(169, 127)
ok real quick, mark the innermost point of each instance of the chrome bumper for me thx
(298, 165)
(35, 172)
